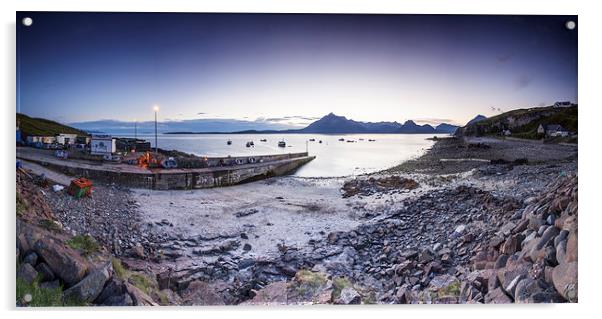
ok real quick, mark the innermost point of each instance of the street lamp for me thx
(156, 109)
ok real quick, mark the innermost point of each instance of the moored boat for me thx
(282, 144)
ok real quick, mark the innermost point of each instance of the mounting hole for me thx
(27, 21)
(570, 25)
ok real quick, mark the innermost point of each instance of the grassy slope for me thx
(567, 117)
(37, 126)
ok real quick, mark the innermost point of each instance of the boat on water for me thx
(350, 141)
(371, 140)
(229, 142)
(341, 140)
(320, 142)
(282, 144)
(250, 143)
(312, 139)
(263, 140)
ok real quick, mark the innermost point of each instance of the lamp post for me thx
(156, 109)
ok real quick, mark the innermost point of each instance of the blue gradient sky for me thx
(277, 68)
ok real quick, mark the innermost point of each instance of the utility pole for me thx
(156, 108)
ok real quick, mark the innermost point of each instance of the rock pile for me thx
(534, 259)
(462, 245)
(48, 265)
(369, 186)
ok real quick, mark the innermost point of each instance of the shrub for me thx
(84, 243)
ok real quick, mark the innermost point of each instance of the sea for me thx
(355, 154)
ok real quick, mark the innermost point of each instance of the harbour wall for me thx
(166, 179)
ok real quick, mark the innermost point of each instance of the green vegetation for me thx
(40, 297)
(20, 205)
(308, 282)
(313, 279)
(142, 282)
(164, 301)
(118, 268)
(36, 126)
(452, 289)
(566, 117)
(43, 297)
(338, 285)
(369, 298)
(50, 225)
(84, 243)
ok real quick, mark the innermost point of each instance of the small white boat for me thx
(282, 144)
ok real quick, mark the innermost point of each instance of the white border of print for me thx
(590, 117)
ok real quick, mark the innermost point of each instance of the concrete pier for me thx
(165, 179)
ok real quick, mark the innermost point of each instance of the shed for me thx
(102, 145)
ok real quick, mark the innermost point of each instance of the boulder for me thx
(501, 261)
(460, 229)
(66, 263)
(89, 288)
(534, 291)
(564, 277)
(272, 294)
(537, 249)
(113, 287)
(511, 274)
(349, 296)
(31, 258)
(497, 296)
(571, 247)
(27, 273)
(119, 301)
(201, 293)
(139, 298)
(512, 244)
(445, 285)
(45, 272)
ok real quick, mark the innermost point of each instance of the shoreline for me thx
(253, 235)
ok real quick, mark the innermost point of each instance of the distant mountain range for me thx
(334, 124)
(329, 124)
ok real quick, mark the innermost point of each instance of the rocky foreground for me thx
(500, 230)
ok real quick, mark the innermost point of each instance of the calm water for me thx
(333, 158)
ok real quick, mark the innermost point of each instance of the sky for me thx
(286, 70)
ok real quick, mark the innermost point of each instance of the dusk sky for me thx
(289, 69)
